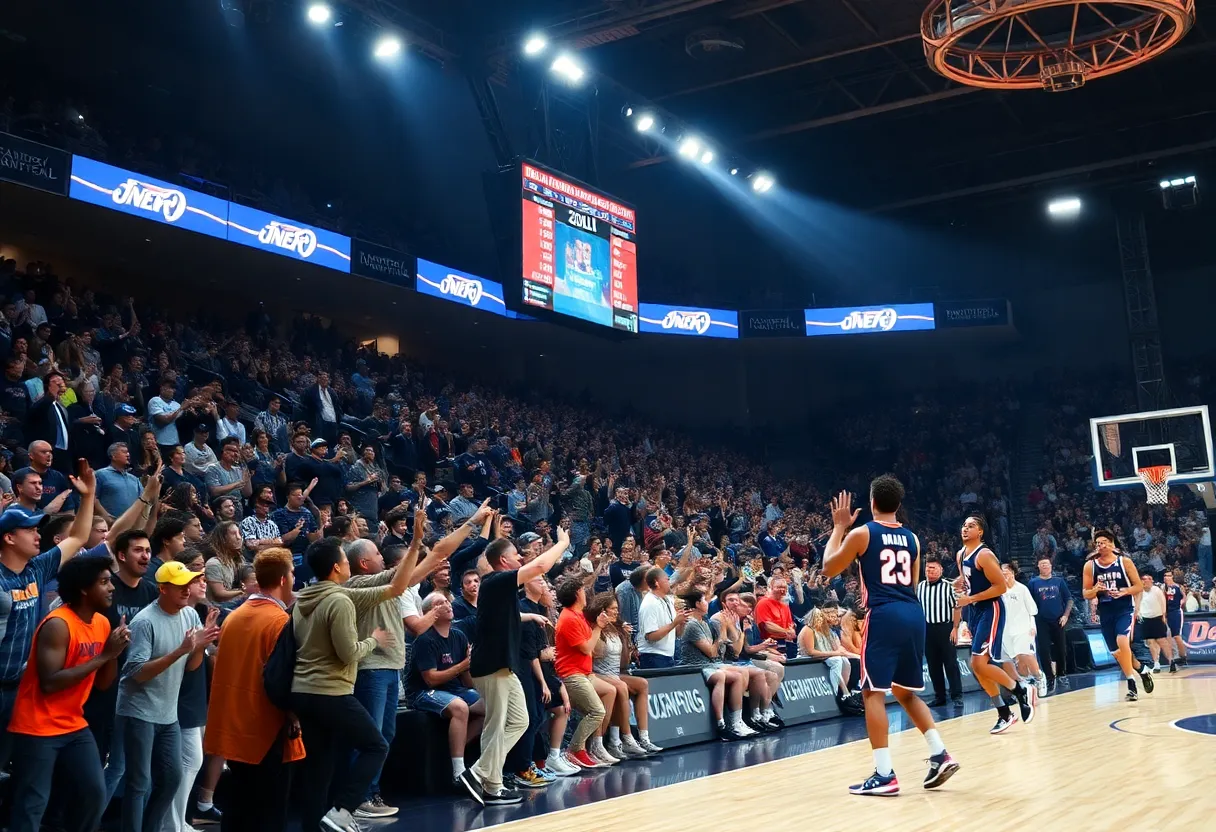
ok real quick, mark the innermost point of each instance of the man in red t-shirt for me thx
(575, 641)
(774, 617)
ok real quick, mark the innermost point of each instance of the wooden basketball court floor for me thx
(1089, 761)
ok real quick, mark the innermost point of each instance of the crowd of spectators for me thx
(499, 560)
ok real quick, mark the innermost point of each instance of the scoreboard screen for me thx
(579, 250)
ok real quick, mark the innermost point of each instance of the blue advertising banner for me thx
(34, 165)
(771, 323)
(960, 313)
(142, 196)
(460, 287)
(257, 229)
(853, 320)
(688, 320)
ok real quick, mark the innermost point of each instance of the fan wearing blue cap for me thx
(24, 573)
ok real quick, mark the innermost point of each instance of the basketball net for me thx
(1156, 483)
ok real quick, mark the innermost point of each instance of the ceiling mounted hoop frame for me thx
(1034, 44)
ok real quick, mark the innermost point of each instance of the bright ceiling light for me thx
(1164, 183)
(762, 183)
(734, 171)
(319, 14)
(645, 122)
(568, 68)
(690, 147)
(1065, 207)
(535, 44)
(387, 47)
(707, 157)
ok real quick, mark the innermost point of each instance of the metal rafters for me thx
(1019, 44)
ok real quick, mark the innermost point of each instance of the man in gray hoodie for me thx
(328, 652)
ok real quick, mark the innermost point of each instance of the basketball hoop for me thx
(1156, 483)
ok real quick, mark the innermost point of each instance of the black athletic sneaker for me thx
(1146, 676)
(505, 797)
(471, 785)
(1027, 697)
(1003, 723)
(1173, 667)
(1132, 695)
(775, 720)
(941, 768)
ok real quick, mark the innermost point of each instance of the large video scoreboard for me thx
(579, 250)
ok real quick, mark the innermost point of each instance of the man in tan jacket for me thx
(328, 652)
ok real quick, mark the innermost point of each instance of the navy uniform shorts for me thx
(893, 647)
(1116, 621)
(988, 629)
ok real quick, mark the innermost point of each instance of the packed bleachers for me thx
(285, 445)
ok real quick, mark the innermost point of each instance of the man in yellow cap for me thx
(166, 638)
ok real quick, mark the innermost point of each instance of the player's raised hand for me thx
(843, 513)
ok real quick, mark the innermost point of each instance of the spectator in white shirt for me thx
(230, 425)
(199, 456)
(659, 623)
(164, 412)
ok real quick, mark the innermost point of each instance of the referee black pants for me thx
(1052, 646)
(941, 655)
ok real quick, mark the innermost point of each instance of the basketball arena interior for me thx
(550, 415)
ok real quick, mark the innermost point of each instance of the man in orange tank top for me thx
(73, 649)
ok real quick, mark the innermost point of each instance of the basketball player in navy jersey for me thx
(1113, 580)
(893, 640)
(982, 584)
(1174, 596)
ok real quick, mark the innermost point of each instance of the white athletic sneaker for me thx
(1041, 684)
(561, 768)
(743, 729)
(631, 748)
(601, 755)
(649, 746)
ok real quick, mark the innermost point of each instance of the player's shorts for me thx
(1017, 644)
(1173, 619)
(988, 630)
(1116, 622)
(893, 647)
(1154, 627)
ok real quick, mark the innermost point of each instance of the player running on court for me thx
(1113, 580)
(982, 585)
(1175, 595)
(893, 641)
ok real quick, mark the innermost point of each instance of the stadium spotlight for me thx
(690, 147)
(645, 122)
(734, 171)
(535, 44)
(1180, 192)
(707, 157)
(387, 47)
(565, 66)
(762, 183)
(319, 14)
(627, 111)
(1065, 208)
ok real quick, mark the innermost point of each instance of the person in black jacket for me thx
(47, 420)
(86, 427)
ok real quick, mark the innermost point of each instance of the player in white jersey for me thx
(1020, 610)
(1150, 612)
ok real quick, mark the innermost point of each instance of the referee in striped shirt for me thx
(941, 619)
